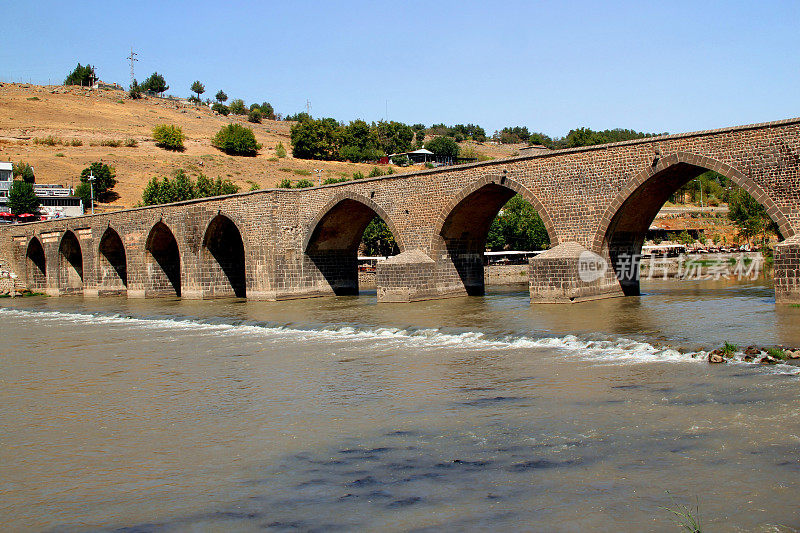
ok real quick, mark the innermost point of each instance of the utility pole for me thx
(319, 172)
(91, 188)
(132, 58)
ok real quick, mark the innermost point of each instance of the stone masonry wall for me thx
(577, 192)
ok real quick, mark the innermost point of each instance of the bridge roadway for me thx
(281, 244)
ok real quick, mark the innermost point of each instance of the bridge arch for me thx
(162, 262)
(36, 264)
(332, 238)
(70, 264)
(222, 259)
(112, 274)
(462, 227)
(625, 222)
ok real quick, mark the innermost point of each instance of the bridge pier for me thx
(787, 271)
(407, 277)
(569, 273)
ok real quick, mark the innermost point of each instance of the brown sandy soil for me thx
(28, 112)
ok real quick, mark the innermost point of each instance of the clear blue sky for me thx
(551, 66)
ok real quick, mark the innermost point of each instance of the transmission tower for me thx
(308, 106)
(132, 58)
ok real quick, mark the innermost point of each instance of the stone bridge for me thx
(281, 244)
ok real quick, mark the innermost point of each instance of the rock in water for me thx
(715, 358)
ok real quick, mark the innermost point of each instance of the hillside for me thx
(72, 115)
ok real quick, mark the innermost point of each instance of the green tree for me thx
(155, 84)
(22, 199)
(81, 76)
(280, 151)
(443, 147)
(84, 192)
(24, 172)
(104, 179)
(221, 96)
(316, 139)
(235, 139)
(393, 137)
(749, 216)
(267, 111)
(378, 239)
(198, 88)
(517, 227)
(237, 107)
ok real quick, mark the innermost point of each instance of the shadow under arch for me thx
(162, 262)
(626, 220)
(332, 238)
(463, 226)
(70, 264)
(112, 263)
(36, 264)
(222, 259)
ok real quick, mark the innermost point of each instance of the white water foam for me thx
(608, 351)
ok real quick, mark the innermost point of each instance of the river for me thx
(341, 414)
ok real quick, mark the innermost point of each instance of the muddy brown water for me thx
(341, 414)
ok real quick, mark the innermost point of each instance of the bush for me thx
(285, 183)
(358, 176)
(375, 172)
(237, 107)
(169, 137)
(400, 160)
(234, 139)
(254, 116)
(222, 109)
(47, 141)
(304, 184)
(135, 92)
(329, 181)
(131, 143)
(280, 151)
(76, 142)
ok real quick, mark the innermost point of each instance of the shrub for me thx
(254, 116)
(728, 349)
(60, 154)
(234, 139)
(375, 172)
(237, 107)
(280, 151)
(169, 137)
(302, 172)
(34, 98)
(329, 181)
(304, 184)
(131, 143)
(76, 142)
(777, 353)
(135, 91)
(114, 143)
(400, 160)
(358, 175)
(47, 141)
(285, 183)
(222, 109)
(181, 188)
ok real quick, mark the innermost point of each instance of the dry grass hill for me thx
(95, 125)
